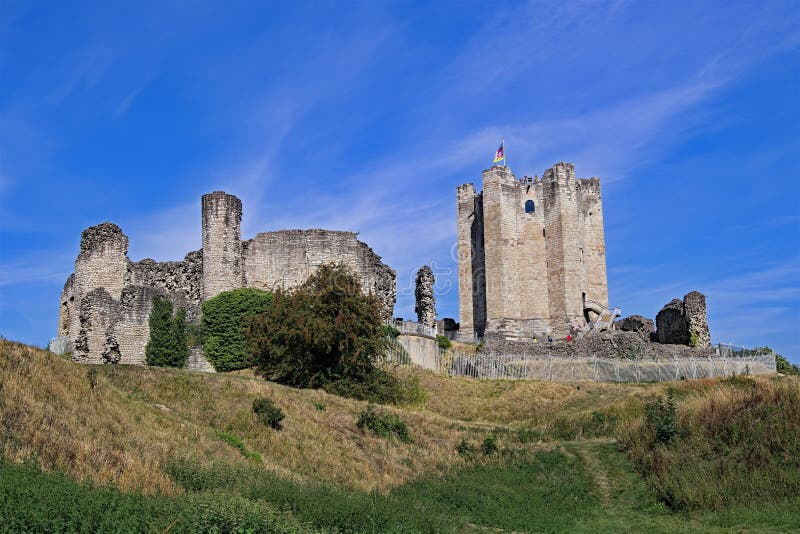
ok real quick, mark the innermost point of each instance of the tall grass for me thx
(737, 445)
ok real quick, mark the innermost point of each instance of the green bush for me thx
(383, 424)
(489, 445)
(465, 448)
(660, 419)
(443, 342)
(167, 344)
(325, 333)
(268, 413)
(225, 320)
(390, 331)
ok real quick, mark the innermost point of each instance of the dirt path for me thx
(587, 451)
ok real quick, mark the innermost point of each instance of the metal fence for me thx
(411, 327)
(492, 365)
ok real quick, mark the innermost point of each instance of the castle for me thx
(105, 304)
(532, 257)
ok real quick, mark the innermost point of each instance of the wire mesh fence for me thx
(492, 365)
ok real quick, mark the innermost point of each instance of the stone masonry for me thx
(532, 259)
(105, 304)
(681, 320)
(423, 292)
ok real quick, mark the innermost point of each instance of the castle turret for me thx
(563, 246)
(471, 267)
(222, 245)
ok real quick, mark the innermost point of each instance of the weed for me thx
(268, 413)
(237, 443)
(489, 445)
(383, 424)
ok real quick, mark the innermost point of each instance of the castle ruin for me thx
(532, 257)
(105, 304)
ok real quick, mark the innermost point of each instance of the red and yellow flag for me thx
(500, 155)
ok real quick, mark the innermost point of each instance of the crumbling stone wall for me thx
(286, 258)
(643, 326)
(425, 307)
(179, 281)
(683, 322)
(105, 305)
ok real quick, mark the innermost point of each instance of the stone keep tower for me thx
(531, 254)
(222, 244)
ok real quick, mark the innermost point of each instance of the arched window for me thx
(529, 206)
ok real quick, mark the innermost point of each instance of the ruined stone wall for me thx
(101, 263)
(105, 305)
(222, 245)
(67, 309)
(425, 304)
(286, 258)
(178, 281)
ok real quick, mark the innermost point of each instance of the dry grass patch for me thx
(50, 414)
(137, 420)
(314, 444)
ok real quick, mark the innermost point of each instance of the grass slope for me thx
(190, 456)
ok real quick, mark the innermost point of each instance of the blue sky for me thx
(365, 117)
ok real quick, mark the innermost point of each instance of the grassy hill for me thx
(114, 448)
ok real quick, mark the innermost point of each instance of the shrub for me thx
(225, 320)
(268, 413)
(694, 340)
(465, 448)
(325, 333)
(443, 342)
(390, 331)
(489, 445)
(167, 344)
(660, 418)
(383, 424)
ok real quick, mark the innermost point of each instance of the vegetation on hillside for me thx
(186, 452)
(224, 323)
(733, 446)
(325, 333)
(167, 344)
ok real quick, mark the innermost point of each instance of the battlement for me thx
(588, 185)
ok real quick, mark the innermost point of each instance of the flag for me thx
(500, 155)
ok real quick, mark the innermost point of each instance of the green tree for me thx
(785, 367)
(325, 333)
(167, 344)
(225, 319)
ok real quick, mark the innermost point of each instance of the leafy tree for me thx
(167, 344)
(225, 319)
(785, 367)
(326, 333)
